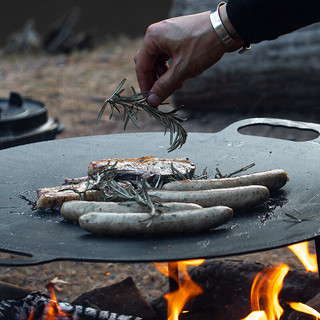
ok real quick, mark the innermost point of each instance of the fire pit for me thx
(46, 237)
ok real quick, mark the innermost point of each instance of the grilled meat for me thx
(126, 170)
(149, 168)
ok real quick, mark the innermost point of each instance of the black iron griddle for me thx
(44, 237)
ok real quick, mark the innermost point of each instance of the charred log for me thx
(227, 285)
(11, 292)
(36, 304)
(120, 298)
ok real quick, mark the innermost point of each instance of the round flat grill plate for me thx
(46, 236)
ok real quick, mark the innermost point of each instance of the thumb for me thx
(166, 85)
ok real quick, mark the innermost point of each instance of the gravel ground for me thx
(73, 88)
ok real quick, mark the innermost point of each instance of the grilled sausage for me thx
(186, 221)
(235, 198)
(272, 179)
(72, 210)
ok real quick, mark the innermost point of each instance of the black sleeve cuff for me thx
(256, 21)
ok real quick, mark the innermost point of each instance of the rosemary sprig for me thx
(131, 105)
(297, 218)
(106, 182)
(219, 175)
(177, 175)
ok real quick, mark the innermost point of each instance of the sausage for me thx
(185, 221)
(235, 198)
(72, 210)
(272, 179)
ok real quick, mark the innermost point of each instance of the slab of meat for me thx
(149, 168)
(53, 198)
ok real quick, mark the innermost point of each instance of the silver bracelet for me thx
(221, 31)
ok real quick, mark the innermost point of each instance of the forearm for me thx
(256, 21)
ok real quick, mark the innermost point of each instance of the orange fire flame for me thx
(257, 315)
(265, 289)
(52, 310)
(305, 309)
(301, 250)
(268, 283)
(31, 315)
(186, 288)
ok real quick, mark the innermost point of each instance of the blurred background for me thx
(71, 55)
(102, 18)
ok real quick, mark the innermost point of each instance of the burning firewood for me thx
(37, 306)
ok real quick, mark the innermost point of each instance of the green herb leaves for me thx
(131, 105)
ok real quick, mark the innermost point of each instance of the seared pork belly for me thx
(53, 198)
(149, 168)
(127, 170)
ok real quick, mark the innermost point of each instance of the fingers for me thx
(166, 85)
(155, 76)
(152, 63)
(160, 68)
(189, 41)
(144, 69)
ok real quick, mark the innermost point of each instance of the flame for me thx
(52, 310)
(309, 261)
(299, 306)
(268, 283)
(301, 250)
(266, 288)
(257, 315)
(31, 315)
(186, 288)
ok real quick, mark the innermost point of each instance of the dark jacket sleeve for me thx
(258, 20)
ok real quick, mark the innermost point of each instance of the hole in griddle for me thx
(279, 132)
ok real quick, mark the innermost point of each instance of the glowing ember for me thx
(265, 289)
(301, 250)
(186, 288)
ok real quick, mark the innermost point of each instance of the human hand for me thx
(191, 43)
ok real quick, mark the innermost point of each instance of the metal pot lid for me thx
(47, 237)
(24, 121)
(17, 114)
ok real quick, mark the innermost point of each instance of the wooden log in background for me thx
(275, 78)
